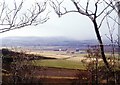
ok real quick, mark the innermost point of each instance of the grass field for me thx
(63, 67)
(59, 64)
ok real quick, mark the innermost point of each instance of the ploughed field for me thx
(51, 67)
(48, 76)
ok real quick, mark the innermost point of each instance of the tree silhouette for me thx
(94, 11)
(14, 16)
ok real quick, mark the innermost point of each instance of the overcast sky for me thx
(72, 25)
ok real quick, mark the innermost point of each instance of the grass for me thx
(57, 77)
(116, 56)
(59, 64)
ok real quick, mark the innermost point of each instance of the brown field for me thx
(43, 75)
(49, 76)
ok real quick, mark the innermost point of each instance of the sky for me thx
(72, 25)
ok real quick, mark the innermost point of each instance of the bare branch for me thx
(14, 18)
(114, 20)
(16, 11)
(104, 17)
(81, 11)
(105, 8)
(87, 6)
(3, 8)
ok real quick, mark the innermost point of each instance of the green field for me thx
(59, 64)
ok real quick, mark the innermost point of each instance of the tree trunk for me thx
(101, 44)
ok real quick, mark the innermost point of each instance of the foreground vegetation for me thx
(19, 68)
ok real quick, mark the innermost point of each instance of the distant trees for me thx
(18, 15)
(95, 10)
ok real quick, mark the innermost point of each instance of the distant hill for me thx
(45, 41)
(51, 43)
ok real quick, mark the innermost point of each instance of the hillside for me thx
(44, 41)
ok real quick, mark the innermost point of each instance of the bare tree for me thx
(118, 6)
(97, 15)
(14, 16)
(111, 35)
